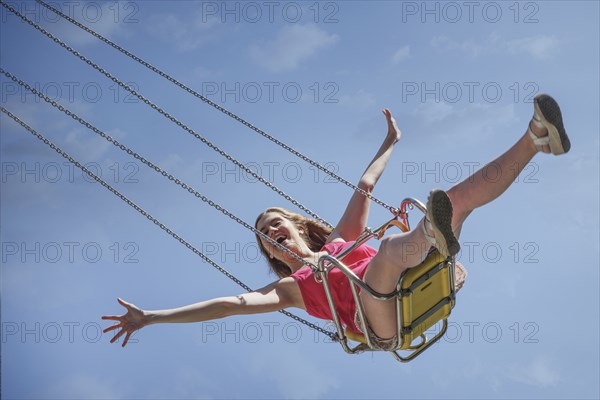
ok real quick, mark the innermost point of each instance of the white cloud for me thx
(293, 45)
(103, 18)
(192, 383)
(401, 54)
(80, 386)
(185, 34)
(431, 112)
(472, 369)
(171, 162)
(28, 112)
(86, 144)
(202, 74)
(303, 369)
(360, 100)
(472, 123)
(445, 44)
(540, 372)
(474, 113)
(541, 47)
(41, 119)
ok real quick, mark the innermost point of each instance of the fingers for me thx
(126, 328)
(117, 336)
(111, 328)
(123, 303)
(126, 339)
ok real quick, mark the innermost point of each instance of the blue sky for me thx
(459, 79)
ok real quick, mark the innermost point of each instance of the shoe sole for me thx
(549, 111)
(439, 209)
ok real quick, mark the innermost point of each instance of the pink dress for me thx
(313, 292)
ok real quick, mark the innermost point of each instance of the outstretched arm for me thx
(356, 215)
(274, 297)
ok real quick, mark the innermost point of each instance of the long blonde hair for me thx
(314, 233)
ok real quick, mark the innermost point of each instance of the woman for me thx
(309, 240)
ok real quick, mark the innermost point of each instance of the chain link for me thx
(153, 166)
(206, 100)
(168, 116)
(154, 220)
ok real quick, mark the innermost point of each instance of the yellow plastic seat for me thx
(425, 296)
(426, 299)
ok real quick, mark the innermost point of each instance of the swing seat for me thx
(425, 296)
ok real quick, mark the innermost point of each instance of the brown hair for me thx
(315, 234)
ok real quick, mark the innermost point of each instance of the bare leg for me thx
(396, 254)
(545, 133)
(492, 180)
(400, 252)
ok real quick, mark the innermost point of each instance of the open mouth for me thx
(280, 239)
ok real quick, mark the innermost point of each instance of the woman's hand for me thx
(356, 215)
(133, 320)
(393, 130)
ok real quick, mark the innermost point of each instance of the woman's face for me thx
(283, 231)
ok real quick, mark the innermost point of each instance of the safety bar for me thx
(328, 262)
(423, 345)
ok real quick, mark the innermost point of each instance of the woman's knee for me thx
(400, 252)
(388, 249)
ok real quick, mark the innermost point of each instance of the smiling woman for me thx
(289, 226)
(460, 86)
(291, 242)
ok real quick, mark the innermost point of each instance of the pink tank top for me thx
(313, 292)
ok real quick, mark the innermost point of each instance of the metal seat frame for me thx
(327, 263)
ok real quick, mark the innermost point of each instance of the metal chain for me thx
(154, 220)
(315, 164)
(153, 166)
(168, 116)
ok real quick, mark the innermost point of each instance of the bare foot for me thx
(539, 132)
